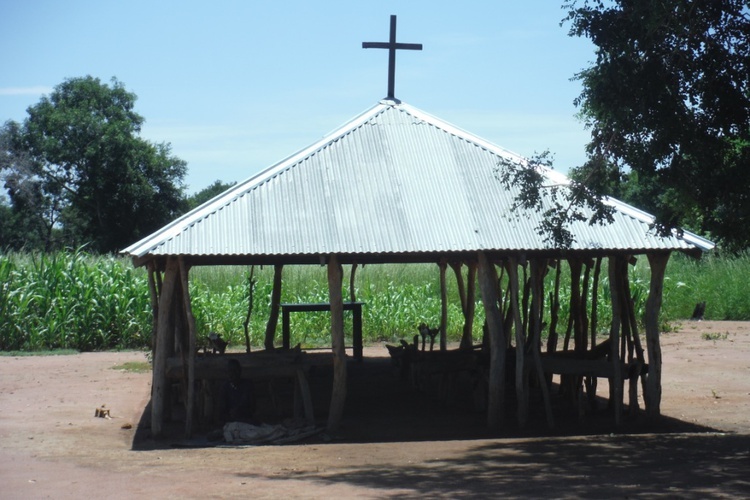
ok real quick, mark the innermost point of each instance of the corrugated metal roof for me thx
(393, 180)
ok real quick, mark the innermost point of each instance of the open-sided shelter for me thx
(396, 185)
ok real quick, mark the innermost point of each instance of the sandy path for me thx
(51, 446)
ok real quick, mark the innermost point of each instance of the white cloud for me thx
(35, 90)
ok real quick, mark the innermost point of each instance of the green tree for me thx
(105, 186)
(668, 104)
(202, 196)
(28, 212)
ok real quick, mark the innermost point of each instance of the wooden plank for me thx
(571, 366)
(304, 388)
(318, 306)
(275, 363)
(355, 307)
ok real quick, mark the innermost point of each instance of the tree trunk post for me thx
(658, 263)
(338, 396)
(443, 308)
(488, 286)
(471, 305)
(352, 273)
(614, 336)
(165, 334)
(190, 347)
(273, 317)
(522, 393)
(538, 270)
(154, 295)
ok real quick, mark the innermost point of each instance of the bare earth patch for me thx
(53, 446)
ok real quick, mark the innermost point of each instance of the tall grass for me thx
(397, 298)
(722, 282)
(71, 300)
(78, 301)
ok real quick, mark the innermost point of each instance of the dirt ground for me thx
(393, 442)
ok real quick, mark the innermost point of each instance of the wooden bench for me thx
(257, 366)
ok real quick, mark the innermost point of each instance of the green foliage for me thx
(668, 104)
(559, 204)
(208, 193)
(72, 300)
(397, 298)
(78, 172)
(720, 281)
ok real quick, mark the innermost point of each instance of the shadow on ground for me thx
(663, 465)
(381, 407)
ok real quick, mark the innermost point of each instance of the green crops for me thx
(70, 300)
(74, 300)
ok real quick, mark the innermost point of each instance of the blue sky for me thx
(236, 86)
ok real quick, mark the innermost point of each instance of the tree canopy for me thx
(667, 101)
(78, 168)
(205, 194)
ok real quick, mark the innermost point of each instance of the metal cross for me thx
(392, 47)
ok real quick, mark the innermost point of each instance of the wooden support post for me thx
(154, 295)
(338, 395)
(522, 386)
(488, 286)
(652, 397)
(538, 270)
(273, 317)
(467, 294)
(165, 335)
(352, 295)
(554, 311)
(591, 382)
(251, 281)
(443, 308)
(615, 382)
(595, 301)
(304, 389)
(471, 304)
(190, 348)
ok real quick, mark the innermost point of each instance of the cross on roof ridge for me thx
(392, 47)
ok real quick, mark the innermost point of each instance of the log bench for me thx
(594, 364)
(256, 366)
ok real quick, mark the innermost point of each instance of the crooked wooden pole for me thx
(154, 296)
(554, 311)
(352, 294)
(190, 347)
(273, 317)
(614, 336)
(165, 335)
(652, 397)
(251, 281)
(538, 270)
(488, 286)
(467, 294)
(338, 396)
(443, 308)
(522, 392)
